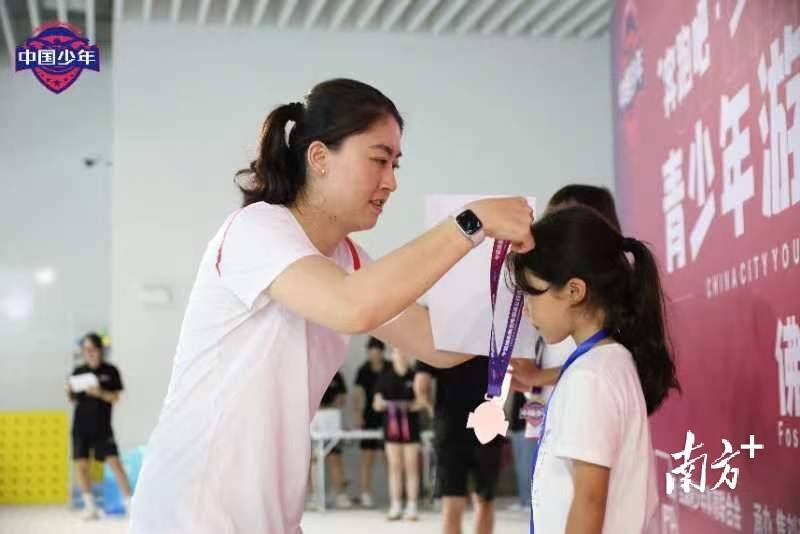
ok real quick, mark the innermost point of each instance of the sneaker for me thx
(366, 500)
(395, 511)
(90, 512)
(343, 501)
(410, 513)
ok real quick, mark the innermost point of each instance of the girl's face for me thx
(360, 176)
(91, 354)
(551, 312)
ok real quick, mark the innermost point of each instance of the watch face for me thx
(469, 222)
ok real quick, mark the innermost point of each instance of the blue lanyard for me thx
(582, 349)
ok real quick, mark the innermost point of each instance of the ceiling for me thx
(569, 19)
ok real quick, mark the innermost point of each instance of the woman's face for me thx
(360, 176)
(91, 354)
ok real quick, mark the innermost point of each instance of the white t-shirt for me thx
(552, 356)
(597, 414)
(230, 452)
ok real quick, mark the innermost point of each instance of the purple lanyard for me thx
(498, 360)
(582, 349)
(398, 420)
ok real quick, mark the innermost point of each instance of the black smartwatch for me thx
(470, 225)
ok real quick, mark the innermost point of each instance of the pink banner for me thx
(707, 147)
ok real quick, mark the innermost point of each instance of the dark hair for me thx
(96, 341)
(333, 111)
(577, 242)
(375, 343)
(593, 196)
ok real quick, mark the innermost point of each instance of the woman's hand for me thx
(378, 404)
(509, 219)
(417, 405)
(95, 392)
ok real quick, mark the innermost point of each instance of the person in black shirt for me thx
(394, 399)
(364, 415)
(459, 390)
(91, 423)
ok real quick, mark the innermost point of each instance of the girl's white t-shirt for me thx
(597, 414)
(552, 356)
(230, 452)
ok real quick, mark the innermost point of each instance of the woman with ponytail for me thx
(279, 290)
(594, 470)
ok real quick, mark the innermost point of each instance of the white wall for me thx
(54, 212)
(483, 116)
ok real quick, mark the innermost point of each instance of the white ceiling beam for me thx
(597, 26)
(558, 12)
(501, 16)
(5, 23)
(33, 10)
(526, 17)
(394, 14)
(447, 16)
(61, 10)
(258, 12)
(230, 11)
(472, 19)
(202, 12)
(421, 15)
(587, 12)
(91, 28)
(286, 13)
(313, 13)
(368, 14)
(341, 13)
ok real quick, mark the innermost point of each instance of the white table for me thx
(324, 442)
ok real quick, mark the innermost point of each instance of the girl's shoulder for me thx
(608, 361)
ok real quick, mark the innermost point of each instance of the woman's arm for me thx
(378, 404)
(73, 397)
(525, 375)
(422, 390)
(111, 397)
(317, 289)
(412, 334)
(588, 507)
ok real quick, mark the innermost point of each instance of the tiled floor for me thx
(60, 520)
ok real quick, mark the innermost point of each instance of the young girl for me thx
(594, 471)
(524, 373)
(394, 398)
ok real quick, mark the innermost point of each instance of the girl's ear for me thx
(576, 291)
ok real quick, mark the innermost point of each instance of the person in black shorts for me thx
(364, 415)
(91, 423)
(459, 455)
(394, 399)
